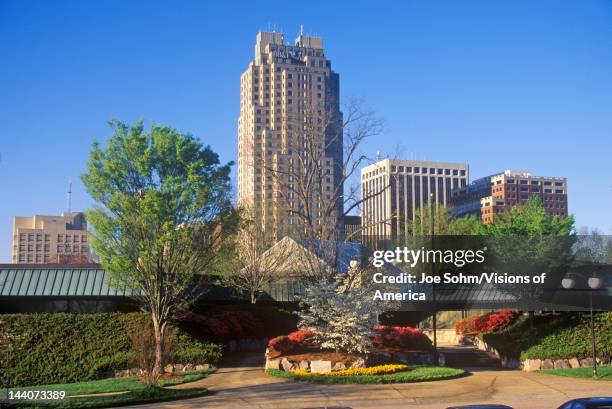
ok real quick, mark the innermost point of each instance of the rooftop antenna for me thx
(377, 155)
(301, 29)
(69, 197)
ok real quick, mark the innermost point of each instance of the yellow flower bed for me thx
(373, 370)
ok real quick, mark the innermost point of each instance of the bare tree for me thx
(315, 184)
(258, 254)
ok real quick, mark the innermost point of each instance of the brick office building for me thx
(495, 194)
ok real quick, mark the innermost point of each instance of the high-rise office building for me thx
(352, 227)
(491, 195)
(289, 114)
(393, 190)
(50, 239)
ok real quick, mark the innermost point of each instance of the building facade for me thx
(352, 228)
(394, 190)
(50, 239)
(495, 194)
(289, 121)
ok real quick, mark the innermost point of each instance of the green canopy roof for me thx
(34, 281)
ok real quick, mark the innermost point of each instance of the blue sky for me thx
(504, 84)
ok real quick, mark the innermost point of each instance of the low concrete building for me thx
(51, 239)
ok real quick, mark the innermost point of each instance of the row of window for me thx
(29, 237)
(32, 259)
(533, 182)
(65, 248)
(416, 170)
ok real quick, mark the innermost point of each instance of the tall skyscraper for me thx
(289, 122)
(51, 239)
(393, 190)
(491, 195)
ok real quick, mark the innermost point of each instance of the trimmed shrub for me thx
(64, 347)
(405, 338)
(301, 336)
(295, 342)
(196, 351)
(466, 326)
(490, 322)
(563, 336)
(279, 346)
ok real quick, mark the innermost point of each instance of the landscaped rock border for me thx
(318, 365)
(530, 365)
(411, 357)
(170, 368)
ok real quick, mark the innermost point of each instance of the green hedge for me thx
(562, 336)
(64, 348)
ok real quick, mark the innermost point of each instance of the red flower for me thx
(401, 337)
(490, 322)
(301, 336)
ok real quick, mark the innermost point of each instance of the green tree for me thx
(444, 223)
(163, 206)
(530, 219)
(528, 239)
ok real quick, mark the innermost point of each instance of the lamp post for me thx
(433, 285)
(594, 283)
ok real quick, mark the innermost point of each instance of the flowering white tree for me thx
(341, 312)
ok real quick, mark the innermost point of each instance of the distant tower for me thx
(69, 197)
(285, 88)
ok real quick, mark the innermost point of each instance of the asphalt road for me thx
(242, 384)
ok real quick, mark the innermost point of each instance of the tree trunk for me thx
(253, 297)
(158, 331)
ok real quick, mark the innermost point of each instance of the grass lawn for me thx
(130, 383)
(603, 372)
(132, 391)
(416, 374)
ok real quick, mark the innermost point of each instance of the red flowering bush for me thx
(406, 338)
(280, 346)
(295, 342)
(466, 326)
(301, 336)
(490, 322)
(222, 323)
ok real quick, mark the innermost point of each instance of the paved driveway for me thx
(243, 384)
